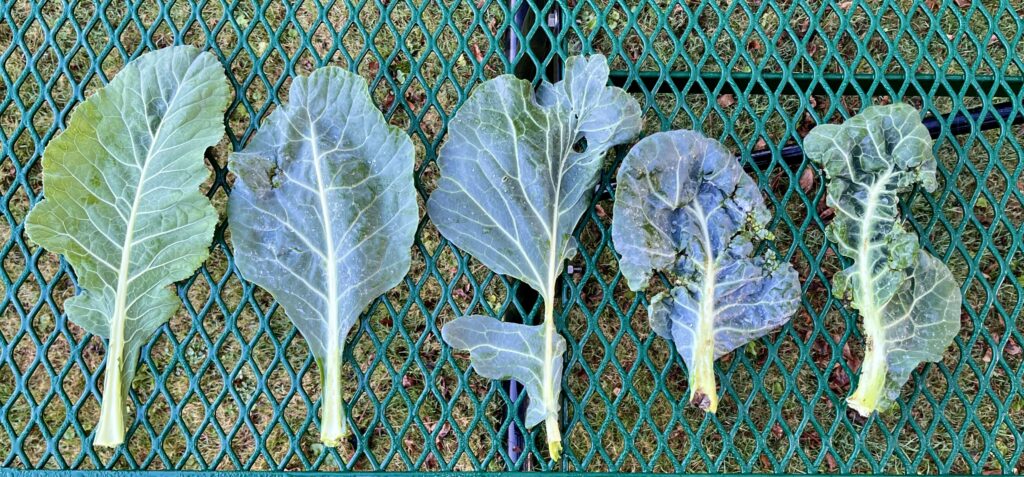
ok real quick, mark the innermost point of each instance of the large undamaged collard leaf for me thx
(123, 204)
(908, 300)
(684, 206)
(323, 215)
(511, 192)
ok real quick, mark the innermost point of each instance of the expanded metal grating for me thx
(229, 385)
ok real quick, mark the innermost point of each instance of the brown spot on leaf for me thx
(701, 400)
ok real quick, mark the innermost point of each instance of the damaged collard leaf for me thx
(685, 207)
(323, 215)
(908, 300)
(123, 205)
(517, 173)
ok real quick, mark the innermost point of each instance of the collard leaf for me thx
(502, 350)
(123, 204)
(323, 215)
(517, 173)
(907, 299)
(685, 207)
(512, 188)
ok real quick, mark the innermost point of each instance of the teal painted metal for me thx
(80, 473)
(228, 384)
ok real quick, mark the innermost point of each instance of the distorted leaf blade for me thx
(908, 301)
(685, 207)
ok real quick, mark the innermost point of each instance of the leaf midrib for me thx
(864, 247)
(706, 307)
(329, 258)
(121, 292)
(549, 289)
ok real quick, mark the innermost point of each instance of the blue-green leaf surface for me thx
(908, 301)
(685, 207)
(323, 215)
(517, 173)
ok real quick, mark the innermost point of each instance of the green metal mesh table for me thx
(228, 383)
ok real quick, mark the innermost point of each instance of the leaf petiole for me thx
(333, 414)
(110, 430)
(703, 392)
(865, 399)
(554, 437)
(550, 391)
